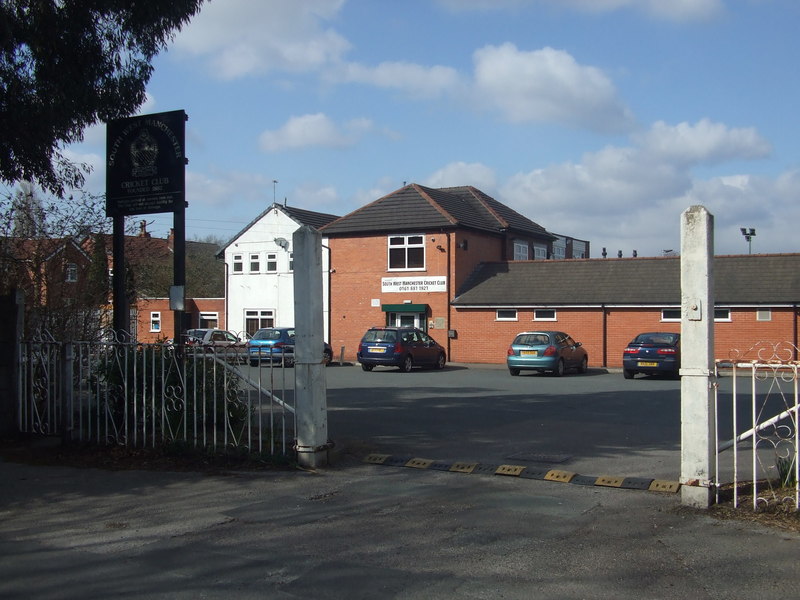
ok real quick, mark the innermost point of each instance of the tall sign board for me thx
(145, 168)
(146, 173)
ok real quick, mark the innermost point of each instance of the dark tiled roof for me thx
(301, 215)
(756, 279)
(419, 208)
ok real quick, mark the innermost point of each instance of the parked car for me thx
(546, 351)
(218, 341)
(653, 352)
(276, 345)
(403, 347)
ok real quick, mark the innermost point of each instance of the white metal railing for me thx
(144, 395)
(757, 430)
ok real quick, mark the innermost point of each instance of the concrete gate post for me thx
(697, 356)
(311, 403)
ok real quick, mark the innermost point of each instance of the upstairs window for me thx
(72, 273)
(506, 314)
(406, 252)
(155, 321)
(255, 263)
(238, 263)
(539, 252)
(272, 262)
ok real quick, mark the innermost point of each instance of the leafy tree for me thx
(65, 65)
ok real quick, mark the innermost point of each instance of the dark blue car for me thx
(652, 352)
(403, 347)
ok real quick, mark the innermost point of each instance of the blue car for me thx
(655, 352)
(546, 351)
(276, 345)
(403, 347)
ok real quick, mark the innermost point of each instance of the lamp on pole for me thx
(748, 234)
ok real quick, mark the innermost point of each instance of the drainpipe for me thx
(449, 278)
(605, 334)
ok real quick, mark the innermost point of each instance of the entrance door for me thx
(404, 319)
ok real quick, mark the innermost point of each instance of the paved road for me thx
(361, 531)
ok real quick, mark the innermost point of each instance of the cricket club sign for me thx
(145, 164)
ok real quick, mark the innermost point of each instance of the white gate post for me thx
(697, 356)
(311, 404)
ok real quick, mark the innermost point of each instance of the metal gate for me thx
(146, 395)
(757, 430)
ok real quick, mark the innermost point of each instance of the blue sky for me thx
(599, 119)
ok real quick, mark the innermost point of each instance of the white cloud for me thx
(461, 173)
(547, 85)
(631, 197)
(314, 130)
(241, 37)
(415, 80)
(703, 142)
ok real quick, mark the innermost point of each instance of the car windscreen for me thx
(379, 335)
(657, 339)
(267, 334)
(532, 339)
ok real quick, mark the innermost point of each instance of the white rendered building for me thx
(259, 280)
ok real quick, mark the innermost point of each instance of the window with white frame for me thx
(291, 261)
(72, 273)
(674, 314)
(406, 252)
(255, 262)
(255, 319)
(238, 263)
(272, 262)
(559, 252)
(544, 314)
(506, 314)
(764, 314)
(209, 320)
(521, 250)
(155, 321)
(539, 252)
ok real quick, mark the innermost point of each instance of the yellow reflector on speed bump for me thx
(513, 470)
(659, 485)
(609, 481)
(376, 459)
(461, 467)
(419, 463)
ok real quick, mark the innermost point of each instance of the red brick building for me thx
(457, 264)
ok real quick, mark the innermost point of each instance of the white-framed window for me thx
(255, 319)
(209, 320)
(238, 263)
(272, 262)
(72, 273)
(674, 314)
(539, 252)
(764, 314)
(255, 262)
(559, 252)
(544, 314)
(291, 261)
(722, 314)
(406, 252)
(521, 250)
(155, 321)
(506, 314)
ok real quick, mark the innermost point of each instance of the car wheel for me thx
(514, 372)
(559, 370)
(584, 366)
(440, 362)
(288, 362)
(407, 363)
(627, 374)
(367, 367)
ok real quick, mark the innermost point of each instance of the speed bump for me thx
(660, 485)
(376, 459)
(636, 483)
(608, 481)
(419, 463)
(463, 467)
(534, 473)
(558, 475)
(512, 470)
(440, 466)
